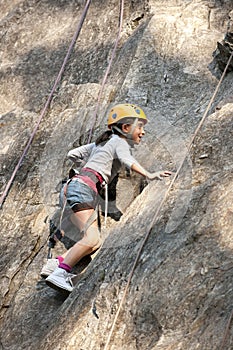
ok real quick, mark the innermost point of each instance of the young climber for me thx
(104, 160)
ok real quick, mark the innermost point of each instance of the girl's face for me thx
(136, 131)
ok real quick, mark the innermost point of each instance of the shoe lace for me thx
(69, 278)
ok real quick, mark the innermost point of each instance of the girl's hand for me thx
(158, 175)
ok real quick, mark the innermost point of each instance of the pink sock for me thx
(60, 259)
(65, 267)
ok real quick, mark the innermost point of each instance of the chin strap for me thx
(129, 135)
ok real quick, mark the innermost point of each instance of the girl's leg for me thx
(61, 278)
(90, 241)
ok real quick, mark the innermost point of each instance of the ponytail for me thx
(103, 137)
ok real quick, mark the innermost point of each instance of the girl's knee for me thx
(92, 238)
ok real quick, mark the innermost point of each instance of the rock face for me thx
(180, 295)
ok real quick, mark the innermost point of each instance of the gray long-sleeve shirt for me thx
(106, 158)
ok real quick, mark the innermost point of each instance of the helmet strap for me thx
(133, 128)
(128, 136)
(114, 127)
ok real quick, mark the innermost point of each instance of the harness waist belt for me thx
(94, 175)
(90, 177)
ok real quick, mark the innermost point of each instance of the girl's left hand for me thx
(158, 175)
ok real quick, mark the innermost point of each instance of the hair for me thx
(126, 120)
(103, 137)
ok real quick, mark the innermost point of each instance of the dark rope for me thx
(108, 70)
(161, 204)
(79, 27)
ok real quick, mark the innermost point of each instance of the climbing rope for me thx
(108, 69)
(75, 36)
(97, 108)
(155, 217)
(222, 346)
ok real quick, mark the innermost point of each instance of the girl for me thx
(126, 123)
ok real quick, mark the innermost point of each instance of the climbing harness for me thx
(56, 233)
(75, 36)
(155, 217)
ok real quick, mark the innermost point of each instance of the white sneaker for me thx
(49, 267)
(60, 280)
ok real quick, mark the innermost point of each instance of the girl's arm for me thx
(125, 157)
(80, 154)
(158, 175)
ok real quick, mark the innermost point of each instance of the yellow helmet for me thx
(123, 111)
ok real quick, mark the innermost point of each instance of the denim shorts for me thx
(79, 195)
